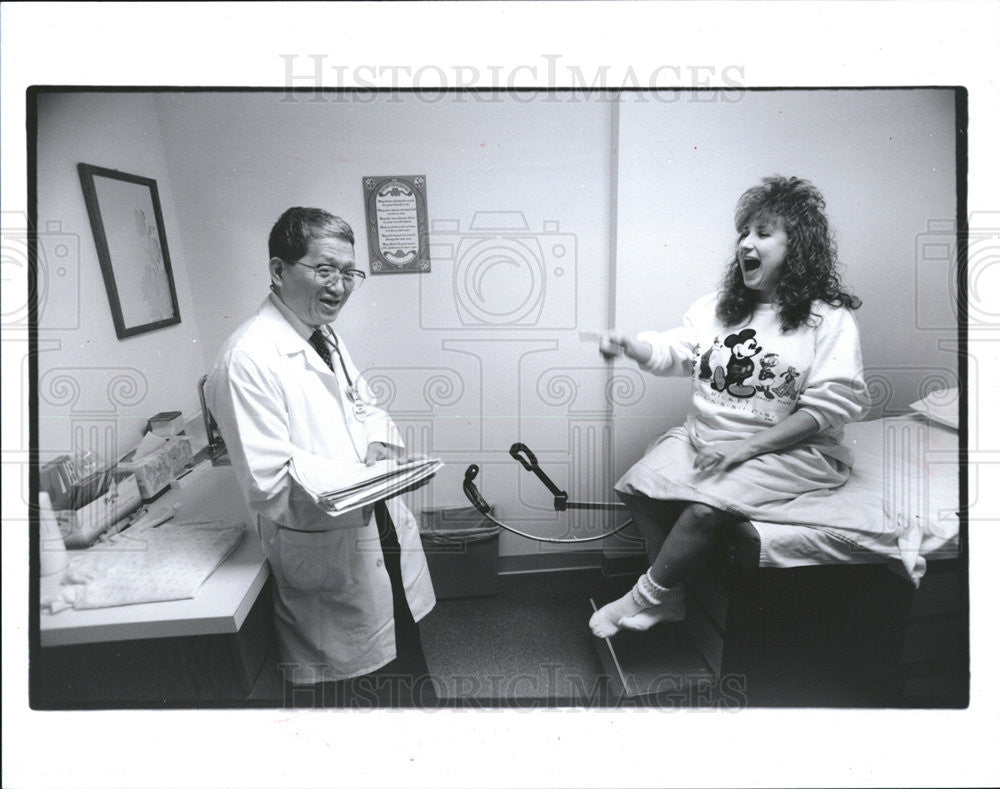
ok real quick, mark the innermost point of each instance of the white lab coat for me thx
(274, 400)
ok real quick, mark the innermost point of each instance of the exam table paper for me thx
(147, 565)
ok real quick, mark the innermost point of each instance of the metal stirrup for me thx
(527, 458)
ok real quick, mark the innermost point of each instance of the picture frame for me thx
(396, 220)
(127, 222)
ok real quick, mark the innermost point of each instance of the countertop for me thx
(221, 605)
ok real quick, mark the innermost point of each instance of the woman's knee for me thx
(703, 516)
(652, 528)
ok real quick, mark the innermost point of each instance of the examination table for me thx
(793, 615)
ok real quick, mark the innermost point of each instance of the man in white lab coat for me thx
(348, 589)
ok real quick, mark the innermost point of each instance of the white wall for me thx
(464, 391)
(96, 391)
(885, 162)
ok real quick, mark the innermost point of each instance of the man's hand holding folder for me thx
(334, 490)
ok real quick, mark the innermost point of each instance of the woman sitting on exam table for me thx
(775, 363)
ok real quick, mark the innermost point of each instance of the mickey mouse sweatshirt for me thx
(748, 377)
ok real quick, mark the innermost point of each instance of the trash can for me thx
(462, 549)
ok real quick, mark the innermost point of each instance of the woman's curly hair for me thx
(810, 270)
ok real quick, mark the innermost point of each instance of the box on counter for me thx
(79, 528)
(154, 472)
(166, 423)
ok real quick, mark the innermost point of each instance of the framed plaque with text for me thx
(396, 217)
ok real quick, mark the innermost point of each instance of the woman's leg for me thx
(657, 596)
(653, 518)
(693, 535)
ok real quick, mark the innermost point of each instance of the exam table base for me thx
(818, 636)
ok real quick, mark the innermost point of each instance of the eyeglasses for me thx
(352, 278)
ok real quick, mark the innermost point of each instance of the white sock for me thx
(657, 604)
(640, 608)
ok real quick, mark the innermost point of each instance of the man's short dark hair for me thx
(297, 227)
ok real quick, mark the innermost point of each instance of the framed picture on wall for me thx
(127, 223)
(396, 214)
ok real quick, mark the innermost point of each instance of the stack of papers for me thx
(334, 490)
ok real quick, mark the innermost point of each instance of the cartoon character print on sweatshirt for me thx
(745, 376)
(767, 364)
(711, 359)
(787, 389)
(743, 347)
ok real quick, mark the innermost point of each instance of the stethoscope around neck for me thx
(561, 503)
(351, 390)
(330, 337)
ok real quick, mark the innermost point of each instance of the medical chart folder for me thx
(340, 489)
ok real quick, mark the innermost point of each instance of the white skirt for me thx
(763, 488)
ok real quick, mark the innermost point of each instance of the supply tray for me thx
(79, 528)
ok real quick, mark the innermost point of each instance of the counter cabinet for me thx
(198, 652)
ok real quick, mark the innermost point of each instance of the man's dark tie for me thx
(317, 341)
